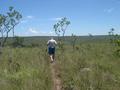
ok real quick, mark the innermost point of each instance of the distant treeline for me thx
(38, 40)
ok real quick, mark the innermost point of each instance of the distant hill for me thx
(38, 39)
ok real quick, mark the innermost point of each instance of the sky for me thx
(94, 17)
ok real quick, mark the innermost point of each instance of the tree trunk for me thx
(14, 30)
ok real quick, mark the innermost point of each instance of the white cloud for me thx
(27, 19)
(109, 10)
(30, 17)
(56, 19)
(32, 30)
(51, 32)
(24, 21)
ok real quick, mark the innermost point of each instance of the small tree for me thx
(8, 23)
(111, 35)
(61, 26)
(115, 39)
(73, 40)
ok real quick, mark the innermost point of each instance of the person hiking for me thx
(51, 48)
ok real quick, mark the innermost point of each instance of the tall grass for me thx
(92, 66)
(25, 69)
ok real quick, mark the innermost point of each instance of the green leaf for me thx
(11, 8)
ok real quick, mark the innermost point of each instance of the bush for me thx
(18, 41)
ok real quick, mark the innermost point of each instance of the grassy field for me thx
(26, 69)
(92, 65)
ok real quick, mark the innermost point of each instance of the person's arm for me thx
(47, 43)
(55, 42)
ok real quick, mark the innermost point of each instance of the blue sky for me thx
(86, 16)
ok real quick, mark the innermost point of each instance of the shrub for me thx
(18, 41)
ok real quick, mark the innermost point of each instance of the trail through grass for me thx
(91, 66)
(57, 85)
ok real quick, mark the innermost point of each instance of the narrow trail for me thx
(57, 85)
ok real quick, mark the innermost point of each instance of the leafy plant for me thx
(115, 39)
(8, 22)
(73, 40)
(18, 41)
(60, 28)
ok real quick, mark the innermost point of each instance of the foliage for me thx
(115, 39)
(29, 67)
(8, 22)
(73, 40)
(18, 41)
(90, 69)
(60, 28)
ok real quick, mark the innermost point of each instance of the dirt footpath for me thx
(56, 76)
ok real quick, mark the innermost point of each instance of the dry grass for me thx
(25, 69)
(91, 66)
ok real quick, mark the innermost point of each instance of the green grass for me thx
(91, 66)
(25, 69)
